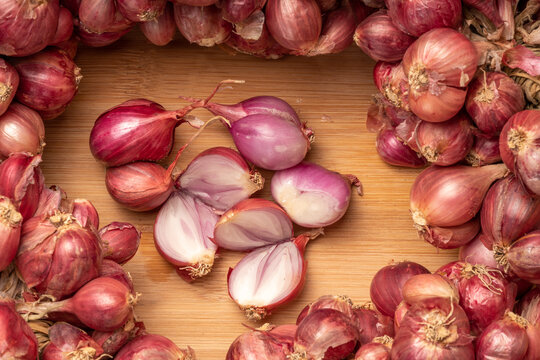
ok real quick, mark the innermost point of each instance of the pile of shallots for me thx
(208, 206)
(461, 311)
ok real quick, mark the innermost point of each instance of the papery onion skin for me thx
(141, 10)
(460, 189)
(112, 269)
(387, 284)
(393, 151)
(379, 38)
(476, 253)
(519, 148)
(237, 11)
(84, 211)
(202, 25)
(371, 324)
(450, 237)
(160, 31)
(97, 16)
(265, 47)
(113, 341)
(423, 287)
(262, 344)
(120, 241)
(417, 17)
(17, 340)
(27, 27)
(99, 40)
(48, 80)
(69, 341)
(399, 314)
(10, 231)
(340, 303)
(492, 99)
(373, 351)
(439, 65)
(9, 82)
(503, 339)
(51, 199)
(523, 257)
(295, 24)
(65, 27)
(337, 32)
(69, 46)
(153, 347)
(139, 186)
(21, 130)
(485, 151)
(392, 82)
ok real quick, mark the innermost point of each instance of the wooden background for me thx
(331, 93)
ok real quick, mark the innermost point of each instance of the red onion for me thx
(492, 99)
(340, 303)
(252, 223)
(153, 347)
(10, 231)
(268, 277)
(434, 329)
(387, 284)
(99, 40)
(161, 30)
(450, 196)
(202, 25)
(17, 341)
(265, 47)
(48, 80)
(64, 28)
(337, 31)
(57, 256)
(508, 212)
(9, 82)
(312, 195)
(235, 11)
(21, 130)
(522, 58)
(476, 253)
(141, 10)
(120, 241)
(295, 24)
(371, 324)
(378, 349)
(393, 151)
(484, 293)
(379, 38)
(27, 27)
(325, 334)
(69, 342)
(221, 178)
(182, 233)
(97, 16)
(439, 65)
(450, 237)
(21, 180)
(113, 270)
(503, 339)
(523, 257)
(266, 343)
(416, 17)
(113, 341)
(485, 151)
(519, 148)
(423, 287)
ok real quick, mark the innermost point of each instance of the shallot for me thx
(264, 343)
(141, 10)
(371, 324)
(378, 349)
(10, 231)
(64, 30)
(485, 151)
(393, 151)
(337, 31)
(9, 82)
(423, 287)
(160, 31)
(340, 303)
(113, 341)
(119, 241)
(66, 341)
(113, 270)
(99, 40)
(235, 11)
(21, 130)
(522, 257)
(202, 25)
(503, 339)
(17, 341)
(153, 347)
(450, 237)
(97, 16)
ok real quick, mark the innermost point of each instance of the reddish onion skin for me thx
(48, 80)
(458, 188)
(113, 341)
(65, 27)
(340, 303)
(371, 324)
(439, 65)
(17, 340)
(523, 257)
(21, 130)
(99, 40)
(519, 148)
(235, 11)
(9, 82)
(379, 38)
(416, 17)
(50, 200)
(265, 47)
(485, 151)
(195, 2)
(27, 27)
(392, 82)
(97, 16)
(450, 237)
(139, 186)
(423, 287)
(84, 211)
(119, 241)
(71, 5)
(476, 253)
(325, 334)
(161, 30)
(141, 10)
(295, 24)
(153, 347)
(373, 351)
(508, 212)
(265, 343)
(393, 151)
(387, 284)
(113, 270)
(10, 231)
(399, 314)
(492, 98)
(68, 341)
(202, 25)
(503, 339)
(337, 31)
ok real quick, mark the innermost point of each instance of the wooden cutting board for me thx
(331, 93)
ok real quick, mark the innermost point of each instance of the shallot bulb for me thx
(265, 46)
(485, 151)
(48, 80)
(252, 223)
(399, 314)
(67, 341)
(83, 211)
(113, 270)
(392, 82)
(450, 237)
(340, 303)
(476, 253)
(520, 150)
(393, 151)
(266, 342)
(439, 65)
(119, 241)
(325, 334)
(434, 329)
(493, 97)
(423, 287)
(378, 349)
(312, 195)
(10, 231)
(64, 28)
(50, 200)
(522, 257)
(141, 10)
(487, 8)
(221, 178)
(97, 16)
(17, 340)
(268, 277)
(380, 39)
(295, 24)
(416, 17)
(21, 130)
(153, 347)
(387, 284)
(202, 25)
(451, 196)
(337, 31)
(27, 27)
(161, 30)
(371, 324)
(113, 341)
(99, 40)
(57, 255)
(235, 11)
(9, 82)
(503, 339)
(182, 235)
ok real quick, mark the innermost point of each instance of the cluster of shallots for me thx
(208, 206)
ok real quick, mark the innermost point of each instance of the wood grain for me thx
(331, 93)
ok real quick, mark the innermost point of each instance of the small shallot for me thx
(476, 253)
(141, 10)
(10, 231)
(393, 151)
(503, 339)
(113, 341)
(485, 151)
(83, 211)
(265, 343)
(337, 31)
(450, 237)
(371, 324)
(340, 303)
(113, 270)
(21, 130)
(99, 40)
(153, 347)
(236, 11)
(160, 31)
(69, 342)
(523, 257)
(17, 340)
(202, 25)
(423, 287)
(97, 16)
(9, 82)
(119, 241)
(378, 349)
(64, 30)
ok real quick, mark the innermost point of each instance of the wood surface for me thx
(331, 93)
